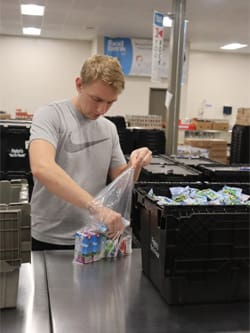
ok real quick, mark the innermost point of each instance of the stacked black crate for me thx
(154, 139)
(127, 140)
(195, 162)
(119, 121)
(195, 253)
(133, 138)
(126, 135)
(167, 169)
(225, 173)
(14, 140)
(240, 145)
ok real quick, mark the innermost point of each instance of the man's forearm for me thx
(57, 181)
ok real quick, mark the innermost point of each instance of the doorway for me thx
(157, 102)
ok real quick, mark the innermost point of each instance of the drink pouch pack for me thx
(91, 242)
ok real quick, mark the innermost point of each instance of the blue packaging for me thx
(86, 244)
(94, 244)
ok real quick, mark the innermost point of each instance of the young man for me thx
(73, 149)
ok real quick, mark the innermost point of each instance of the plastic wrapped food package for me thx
(92, 242)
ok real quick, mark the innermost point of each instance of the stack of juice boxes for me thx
(91, 246)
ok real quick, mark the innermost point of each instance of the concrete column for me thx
(176, 57)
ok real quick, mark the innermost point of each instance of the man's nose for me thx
(102, 107)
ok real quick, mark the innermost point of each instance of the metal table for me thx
(115, 297)
(31, 314)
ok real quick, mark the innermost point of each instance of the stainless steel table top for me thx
(31, 314)
(115, 297)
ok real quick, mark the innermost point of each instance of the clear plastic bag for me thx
(92, 242)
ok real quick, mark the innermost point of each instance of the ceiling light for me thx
(32, 10)
(233, 46)
(167, 21)
(31, 31)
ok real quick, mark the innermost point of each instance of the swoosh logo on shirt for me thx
(71, 147)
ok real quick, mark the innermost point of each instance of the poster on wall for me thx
(157, 49)
(135, 55)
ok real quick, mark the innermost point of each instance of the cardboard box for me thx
(217, 148)
(220, 125)
(202, 125)
(243, 117)
(5, 116)
(206, 143)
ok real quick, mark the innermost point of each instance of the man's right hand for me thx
(109, 217)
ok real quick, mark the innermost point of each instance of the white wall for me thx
(35, 71)
(218, 79)
(135, 98)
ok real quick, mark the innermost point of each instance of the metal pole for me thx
(176, 57)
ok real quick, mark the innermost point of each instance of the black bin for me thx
(240, 145)
(154, 139)
(119, 121)
(14, 148)
(194, 162)
(162, 159)
(225, 173)
(169, 172)
(127, 141)
(136, 207)
(195, 254)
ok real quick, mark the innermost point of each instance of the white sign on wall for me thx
(135, 55)
(157, 49)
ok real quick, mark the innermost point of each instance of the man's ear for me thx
(78, 83)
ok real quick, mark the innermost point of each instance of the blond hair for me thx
(105, 68)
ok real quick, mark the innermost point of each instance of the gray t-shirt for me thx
(86, 149)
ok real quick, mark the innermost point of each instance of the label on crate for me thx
(17, 152)
(154, 247)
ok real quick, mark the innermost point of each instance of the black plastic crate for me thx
(194, 162)
(169, 172)
(225, 173)
(136, 206)
(154, 139)
(14, 148)
(162, 159)
(240, 144)
(195, 254)
(146, 186)
(127, 140)
(119, 121)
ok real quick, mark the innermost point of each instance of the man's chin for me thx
(94, 117)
